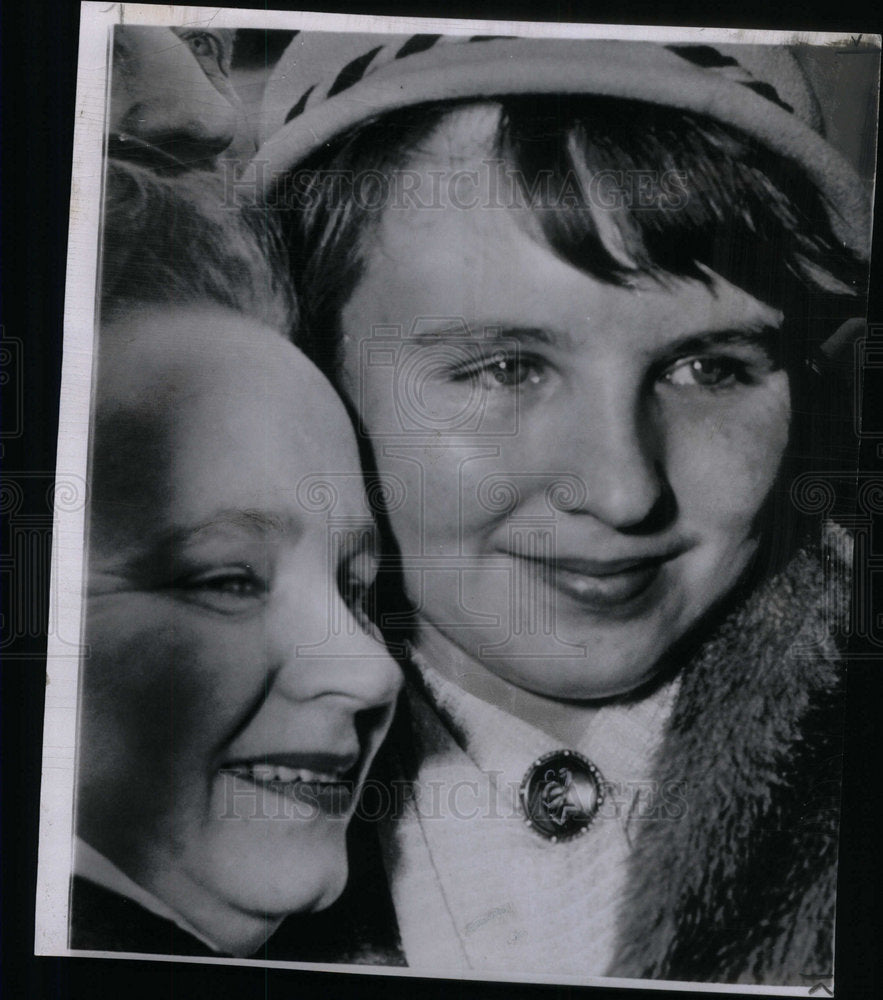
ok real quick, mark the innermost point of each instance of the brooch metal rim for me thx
(597, 777)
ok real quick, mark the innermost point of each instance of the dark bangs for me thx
(625, 188)
(620, 189)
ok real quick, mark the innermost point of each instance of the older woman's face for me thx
(232, 701)
(576, 468)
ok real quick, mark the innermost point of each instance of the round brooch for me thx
(561, 794)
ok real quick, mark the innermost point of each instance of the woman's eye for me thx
(504, 370)
(235, 585)
(707, 373)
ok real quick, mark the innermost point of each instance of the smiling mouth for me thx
(615, 587)
(324, 782)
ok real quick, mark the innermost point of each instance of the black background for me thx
(39, 85)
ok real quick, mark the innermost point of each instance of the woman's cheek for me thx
(427, 483)
(724, 462)
(162, 665)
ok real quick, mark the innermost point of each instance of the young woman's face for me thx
(576, 468)
(232, 700)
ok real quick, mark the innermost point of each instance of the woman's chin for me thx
(237, 885)
(299, 882)
(239, 914)
(600, 670)
(591, 682)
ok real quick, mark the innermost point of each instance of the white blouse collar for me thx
(93, 866)
(620, 737)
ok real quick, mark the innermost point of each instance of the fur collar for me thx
(739, 885)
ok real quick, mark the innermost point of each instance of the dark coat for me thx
(102, 920)
(359, 928)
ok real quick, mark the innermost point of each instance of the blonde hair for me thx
(183, 241)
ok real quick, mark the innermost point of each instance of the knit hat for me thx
(326, 83)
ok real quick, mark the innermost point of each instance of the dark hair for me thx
(692, 191)
(178, 241)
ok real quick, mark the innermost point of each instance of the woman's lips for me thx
(608, 591)
(324, 782)
(604, 587)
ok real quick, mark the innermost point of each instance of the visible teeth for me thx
(270, 773)
(287, 774)
(577, 584)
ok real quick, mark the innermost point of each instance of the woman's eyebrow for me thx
(489, 331)
(765, 337)
(259, 523)
(164, 547)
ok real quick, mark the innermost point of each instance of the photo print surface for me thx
(464, 580)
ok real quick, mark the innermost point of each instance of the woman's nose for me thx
(613, 464)
(330, 652)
